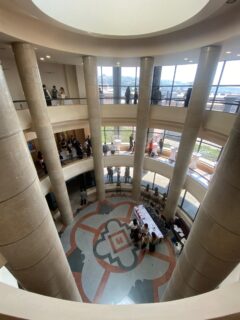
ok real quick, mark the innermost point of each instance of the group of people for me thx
(152, 149)
(128, 96)
(112, 148)
(141, 236)
(54, 94)
(81, 149)
(110, 173)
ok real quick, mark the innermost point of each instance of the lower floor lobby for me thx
(107, 267)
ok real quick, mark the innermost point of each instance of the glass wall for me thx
(189, 204)
(174, 83)
(109, 134)
(129, 77)
(111, 174)
(209, 152)
(225, 92)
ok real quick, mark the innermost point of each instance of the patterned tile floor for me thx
(107, 268)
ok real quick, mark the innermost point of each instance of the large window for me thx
(174, 83)
(171, 139)
(109, 134)
(209, 151)
(114, 84)
(155, 180)
(124, 177)
(225, 94)
(189, 204)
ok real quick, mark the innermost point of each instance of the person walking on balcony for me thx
(127, 95)
(47, 96)
(135, 97)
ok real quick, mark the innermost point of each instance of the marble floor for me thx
(107, 267)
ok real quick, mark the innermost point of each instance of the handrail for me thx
(217, 304)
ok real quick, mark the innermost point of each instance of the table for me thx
(143, 216)
(178, 233)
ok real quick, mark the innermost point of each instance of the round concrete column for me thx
(143, 112)
(212, 249)
(205, 73)
(28, 238)
(32, 86)
(94, 117)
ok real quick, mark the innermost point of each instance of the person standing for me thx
(47, 96)
(150, 148)
(62, 95)
(131, 142)
(127, 95)
(54, 93)
(105, 149)
(112, 148)
(135, 97)
(161, 145)
(127, 174)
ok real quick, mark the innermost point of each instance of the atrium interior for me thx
(120, 159)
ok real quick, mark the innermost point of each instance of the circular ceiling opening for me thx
(123, 18)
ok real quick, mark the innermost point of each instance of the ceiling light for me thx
(42, 59)
(190, 61)
(186, 59)
(228, 52)
(48, 57)
(118, 63)
(238, 55)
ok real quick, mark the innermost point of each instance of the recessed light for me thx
(238, 55)
(42, 59)
(118, 63)
(190, 61)
(48, 57)
(228, 52)
(186, 59)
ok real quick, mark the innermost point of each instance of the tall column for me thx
(94, 117)
(116, 84)
(28, 238)
(32, 86)
(212, 249)
(145, 87)
(205, 73)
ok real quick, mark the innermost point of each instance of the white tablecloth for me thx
(143, 216)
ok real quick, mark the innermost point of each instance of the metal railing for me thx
(212, 105)
(22, 104)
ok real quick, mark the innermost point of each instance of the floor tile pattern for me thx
(107, 267)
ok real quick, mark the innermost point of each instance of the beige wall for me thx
(51, 74)
(221, 303)
(216, 126)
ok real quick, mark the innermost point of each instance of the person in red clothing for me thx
(150, 148)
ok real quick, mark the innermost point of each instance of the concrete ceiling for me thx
(175, 53)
